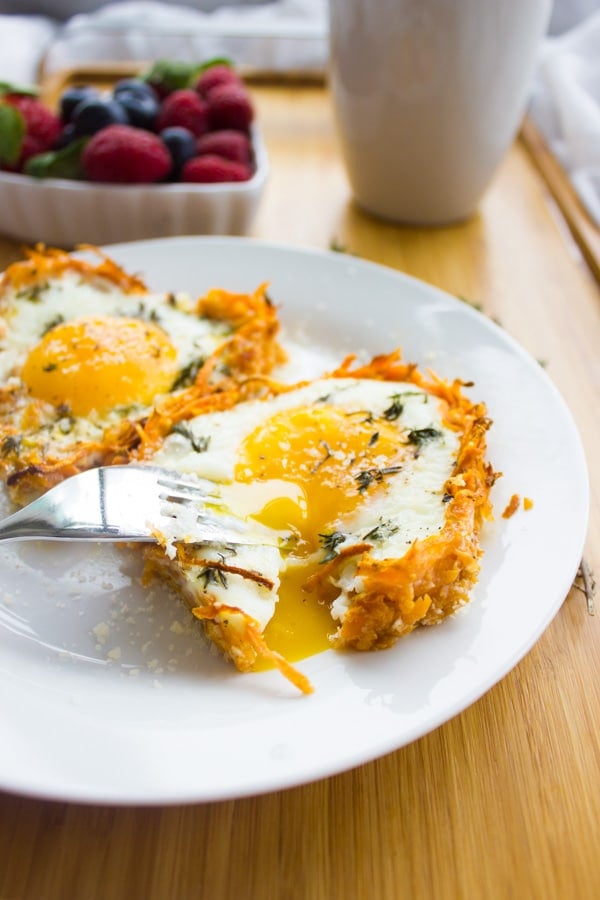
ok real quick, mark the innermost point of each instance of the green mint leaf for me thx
(176, 74)
(12, 129)
(63, 163)
(10, 87)
(215, 61)
(171, 74)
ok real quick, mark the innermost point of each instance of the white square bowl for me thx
(64, 213)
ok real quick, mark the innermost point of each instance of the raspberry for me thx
(230, 107)
(123, 154)
(214, 77)
(233, 145)
(31, 146)
(210, 168)
(40, 122)
(183, 109)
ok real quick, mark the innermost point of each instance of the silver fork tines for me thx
(126, 503)
(184, 491)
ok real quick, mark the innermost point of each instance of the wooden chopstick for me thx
(585, 233)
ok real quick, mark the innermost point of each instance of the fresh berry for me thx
(208, 169)
(184, 109)
(30, 146)
(214, 77)
(141, 110)
(66, 136)
(92, 115)
(230, 144)
(181, 144)
(40, 122)
(134, 86)
(230, 107)
(123, 154)
(72, 97)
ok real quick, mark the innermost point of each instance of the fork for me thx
(126, 503)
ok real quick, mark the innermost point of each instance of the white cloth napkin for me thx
(285, 35)
(565, 106)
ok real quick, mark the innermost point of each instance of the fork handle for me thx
(38, 521)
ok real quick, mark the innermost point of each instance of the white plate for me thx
(106, 695)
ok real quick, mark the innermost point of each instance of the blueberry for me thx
(91, 115)
(141, 110)
(66, 136)
(181, 144)
(135, 87)
(71, 97)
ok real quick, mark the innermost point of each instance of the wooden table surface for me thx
(503, 800)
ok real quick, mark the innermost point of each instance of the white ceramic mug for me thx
(428, 96)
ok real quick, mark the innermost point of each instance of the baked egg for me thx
(92, 363)
(368, 492)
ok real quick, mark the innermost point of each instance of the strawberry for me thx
(230, 107)
(211, 168)
(183, 109)
(230, 144)
(214, 77)
(123, 154)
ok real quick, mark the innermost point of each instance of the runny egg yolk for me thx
(301, 471)
(98, 362)
(307, 468)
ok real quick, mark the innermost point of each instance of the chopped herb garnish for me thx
(374, 438)
(368, 415)
(52, 323)
(394, 411)
(199, 444)
(366, 478)
(10, 444)
(50, 367)
(34, 293)
(381, 531)
(473, 303)
(420, 436)
(212, 575)
(188, 374)
(339, 247)
(139, 313)
(324, 458)
(329, 542)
